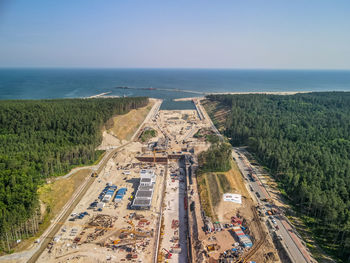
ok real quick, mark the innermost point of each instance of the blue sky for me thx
(281, 34)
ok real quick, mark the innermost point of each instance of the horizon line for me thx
(178, 68)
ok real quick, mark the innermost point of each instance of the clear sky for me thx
(278, 34)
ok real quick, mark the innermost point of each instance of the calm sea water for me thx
(72, 83)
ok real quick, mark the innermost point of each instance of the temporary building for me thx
(100, 205)
(121, 191)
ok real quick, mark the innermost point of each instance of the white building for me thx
(147, 176)
(144, 194)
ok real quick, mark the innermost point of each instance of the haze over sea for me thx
(73, 83)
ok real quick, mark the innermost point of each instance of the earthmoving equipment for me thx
(212, 247)
(168, 255)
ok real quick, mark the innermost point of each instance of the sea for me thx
(167, 84)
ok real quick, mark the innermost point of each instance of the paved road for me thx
(290, 239)
(295, 249)
(151, 114)
(203, 113)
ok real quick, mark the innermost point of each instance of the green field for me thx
(215, 193)
(224, 183)
(148, 134)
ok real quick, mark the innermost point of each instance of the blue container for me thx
(121, 191)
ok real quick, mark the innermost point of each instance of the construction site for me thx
(145, 204)
(105, 225)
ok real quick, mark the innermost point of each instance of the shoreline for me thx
(245, 93)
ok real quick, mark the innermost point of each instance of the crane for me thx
(154, 155)
(135, 233)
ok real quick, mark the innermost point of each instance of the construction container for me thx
(100, 205)
(106, 198)
(122, 191)
(118, 198)
(243, 238)
(236, 228)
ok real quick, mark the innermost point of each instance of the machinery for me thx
(168, 255)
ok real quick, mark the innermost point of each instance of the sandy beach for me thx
(242, 93)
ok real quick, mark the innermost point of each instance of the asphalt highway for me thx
(289, 238)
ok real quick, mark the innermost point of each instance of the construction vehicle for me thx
(213, 247)
(168, 255)
(131, 256)
(268, 200)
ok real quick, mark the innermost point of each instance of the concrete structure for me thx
(148, 174)
(142, 203)
(144, 193)
(146, 182)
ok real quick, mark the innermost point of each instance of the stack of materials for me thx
(101, 223)
(243, 238)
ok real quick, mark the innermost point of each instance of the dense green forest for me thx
(216, 158)
(46, 138)
(304, 139)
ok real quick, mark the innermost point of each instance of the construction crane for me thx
(154, 155)
(132, 231)
(135, 233)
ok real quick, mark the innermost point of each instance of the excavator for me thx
(168, 255)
